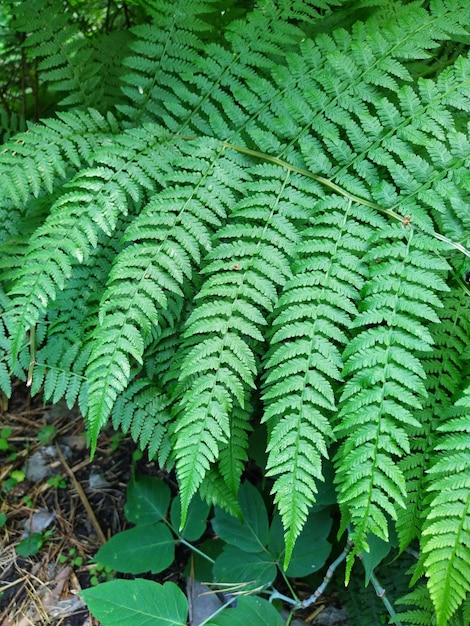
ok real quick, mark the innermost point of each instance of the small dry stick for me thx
(82, 496)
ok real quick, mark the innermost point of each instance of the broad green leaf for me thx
(137, 603)
(140, 549)
(148, 499)
(250, 611)
(196, 519)
(252, 533)
(378, 550)
(236, 566)
(30, 545)
(311, 548)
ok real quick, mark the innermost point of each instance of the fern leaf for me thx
(233, 455)
(65, 59)
(218, 371)
(160, 57)
(164, 244)
(383, 386)
(47, 155)
(69, 232)
(71, 319)
(445, 535)
(421, 613)
(444, 369)
(143, 411)
(10, 124)
(304, 364)
(147, 252)
(215, 491)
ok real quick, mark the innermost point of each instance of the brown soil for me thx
(85, 502)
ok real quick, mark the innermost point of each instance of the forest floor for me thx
(57, 508)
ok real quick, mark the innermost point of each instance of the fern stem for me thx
(328, 576)
(343, 192)
(32, 351)
(382, 594)
(326, 182)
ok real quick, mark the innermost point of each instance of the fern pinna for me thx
(271, 226)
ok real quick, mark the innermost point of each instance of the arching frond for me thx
(446, 531)
(384, 379)
(220, 364)
(311, 327)
(263, 220)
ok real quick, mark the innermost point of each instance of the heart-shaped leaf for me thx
(196, 519)
(250, 611)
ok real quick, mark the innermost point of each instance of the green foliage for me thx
(249, 552)
(150, 544)
(5, 434)
(249, 611)
(31, 544)
(252, 216)
(113, 603)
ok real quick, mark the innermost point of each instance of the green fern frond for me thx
(422, 611)
(109, 51)
(48, 154)
(446, 534)
(72, 229)
(225, 92)
(214, 490)
(445, 375)
(10, 124)
(224, 241)
(303, 368)
(219, 367)
(162, 247)
(71, 319)
(233, 455)
(65, 60)
(160, 57)
(143, 411)
(384, 380)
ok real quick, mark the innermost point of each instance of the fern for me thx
(244, 272)
(65, 59)
(421, 611)
(10, 124)
(260, 220)
(143, 412)
(385, 380)
(47, 155)
(304, 365)
(445, 534)
(445, 375)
